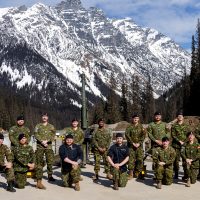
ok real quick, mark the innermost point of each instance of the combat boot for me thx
(77, 186)
(159, 185)
(40, 185)
(188, 182)
(109, 176)
(95, 177)
(10, 187)
(115, 186)
(176, 175)
(130, 176)
(51, 178)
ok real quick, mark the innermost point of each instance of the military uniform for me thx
(15, 131)
(164, 173)
(23, 154)
(197, 135)
(77, 134)
(101, 139)
(135, 134)
(6, 153)
(42, 133)
(118, 153)
(191, 151)
(69, 174)
(179, 133)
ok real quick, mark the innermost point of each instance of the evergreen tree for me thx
(123, 101)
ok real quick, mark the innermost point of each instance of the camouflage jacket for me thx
(191, 151)
(5, 153)
(15, 131)
(157, 131)
(78, 134)
(179, 133)
(164, 155)
(42, 133)
(197, 133)
(135, 134)
(23, 154)
(101, 138)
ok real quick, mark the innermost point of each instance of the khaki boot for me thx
(115, 186)
(188, 182)
(109, 176)
(40, 185)
(130, 176)
(159, 185)
(77, 186)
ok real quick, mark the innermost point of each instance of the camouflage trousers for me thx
(20, 178)
(40, 162)
(177, 159)
(9, 173)
(192, 172)
(120, 177)
(164, 173)
(135, 159)
(97, 159)
(70, 176)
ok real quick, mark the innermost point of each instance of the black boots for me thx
(10, 187)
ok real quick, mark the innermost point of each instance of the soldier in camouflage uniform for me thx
(163, 157)
(24, 161)
(197, 135)
(101, 141)
(16, 130)
(135, 136)
(5, 153)
(118, 156)
(71, 156)
(179, 131)
(156, 131)
(191, 154)
(45, 135)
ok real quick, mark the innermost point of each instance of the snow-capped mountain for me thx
(49, 47)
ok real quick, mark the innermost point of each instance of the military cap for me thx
(179, 113)
(74, 120)
(44, 114)
(119, 135)
(1, 136)
(20, 117)
(135, 115)
(157, 113)
(164, 139)
(21, 135)
(100, 120)
(190, 133)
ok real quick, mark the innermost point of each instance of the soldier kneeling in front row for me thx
(6, 167)
(118, 156)
(71, 157)
(163, 159)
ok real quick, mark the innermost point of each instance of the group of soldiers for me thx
(122, 160)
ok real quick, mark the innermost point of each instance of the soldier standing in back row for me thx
(24, 161)
(179, 135)
(135, 136)
(18, 129)
(45, 135)
(197, 135)
(101, 141)
(5, 153)
(156, 131)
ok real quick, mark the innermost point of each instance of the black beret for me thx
(74, 120)
(135, 115)
(21, 135)
(119, 135)
(157, 113)
(164, 139)
(1, 136)
(20, 117)
(190, 133)
(69, 136)
(44, 114)
(100, 120)
(179, 113)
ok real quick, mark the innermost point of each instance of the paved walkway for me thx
(137, 190)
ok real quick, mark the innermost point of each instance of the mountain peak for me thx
(69, 4)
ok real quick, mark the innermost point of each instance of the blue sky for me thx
(174, 18)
